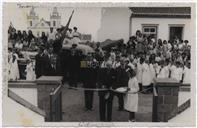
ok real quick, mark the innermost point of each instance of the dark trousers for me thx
(120, 100)
(73, 78)
(131, 115)
(140, 87)
(105, 107)
(89, 95)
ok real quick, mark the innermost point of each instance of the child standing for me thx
(146, 77)
(30, 71)
(186, 73)
(131, 98)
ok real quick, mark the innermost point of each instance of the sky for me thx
(86, 19)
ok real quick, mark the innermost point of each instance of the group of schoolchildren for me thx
(141, 60)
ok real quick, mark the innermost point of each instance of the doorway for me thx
(176, 31)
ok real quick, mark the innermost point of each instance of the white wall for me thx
(163, 26)
(183, 97)
(114, 24)
(29, 94)
(15, 114)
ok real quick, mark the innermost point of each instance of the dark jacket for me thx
(39, 65)
(104, 77)
(52, 65)
(121, 78)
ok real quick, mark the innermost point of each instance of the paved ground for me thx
(74, 110)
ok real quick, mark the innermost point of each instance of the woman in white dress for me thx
(131, 98)
(13, 67)
(30, 71)
(146, 77)
(186, 74)
(164, 71)
(176, 72)
(76, 36)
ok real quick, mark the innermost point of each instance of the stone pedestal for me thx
(167, 102)
(46, 85)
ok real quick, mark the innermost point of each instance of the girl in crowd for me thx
(164, 71)
(30, 70)
(19, 45)
(13, 70)
(186, 73)
(146, 78)
(176, 71)
(131, 98)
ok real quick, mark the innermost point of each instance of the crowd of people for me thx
(50, 44)
(133, 65)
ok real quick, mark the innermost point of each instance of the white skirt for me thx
(131, 102)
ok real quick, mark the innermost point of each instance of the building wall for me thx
(163, 26)
(114, 24)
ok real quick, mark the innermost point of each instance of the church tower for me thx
(32, 18)
(55, 19)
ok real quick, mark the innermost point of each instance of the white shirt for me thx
(70, 35)
(52, 36)
(115, 64)
(176, 73)
(169, 46)
(19, 46)
(146, 77)
(186, 78)
(104, 64)
(164, 73)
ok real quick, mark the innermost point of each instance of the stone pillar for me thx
(167, 104)
(46, 85)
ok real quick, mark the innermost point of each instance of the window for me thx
(150, 30)
(54, 23)
(30, 23)
(175, 31)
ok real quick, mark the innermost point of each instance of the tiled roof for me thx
(165, 12)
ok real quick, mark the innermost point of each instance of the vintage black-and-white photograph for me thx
(130, 64)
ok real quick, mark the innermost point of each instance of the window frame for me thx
(156, 26)
(176, 25)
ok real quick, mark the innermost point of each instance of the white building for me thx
(161, 22)
(38, 26)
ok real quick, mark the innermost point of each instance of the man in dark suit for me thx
(121, 80)
(39, 63)
(74, 65)
(105, 96)
(52, 63)
(89, 80)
